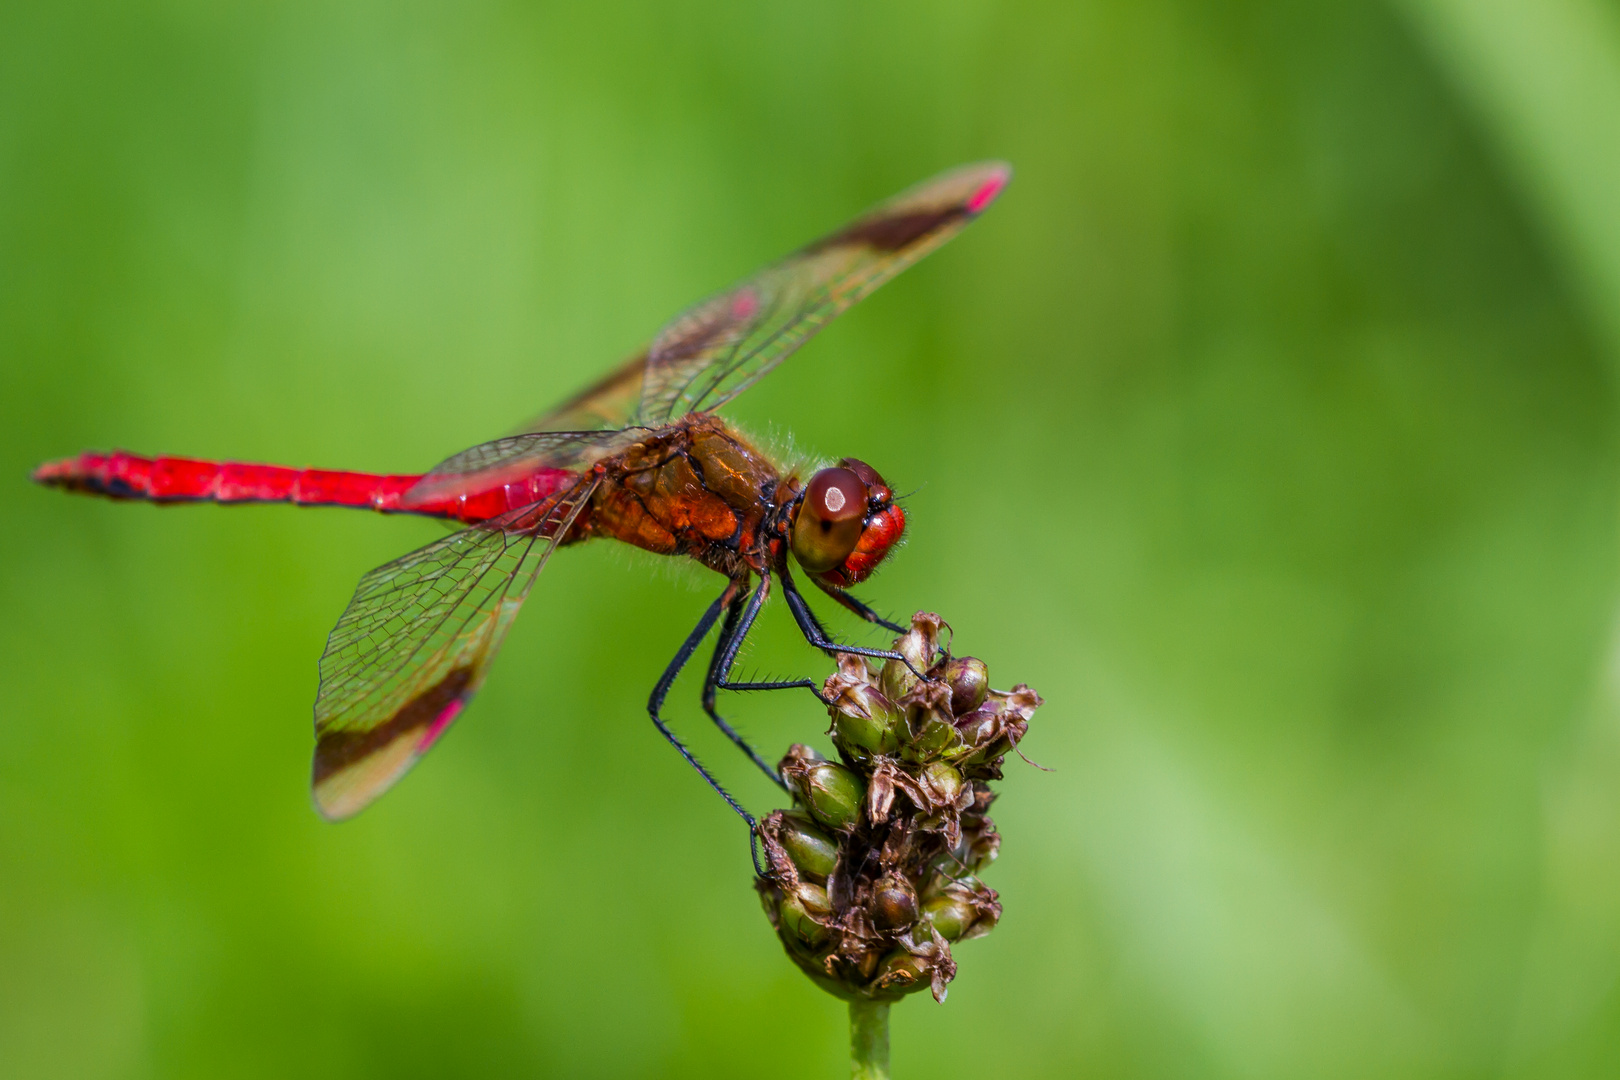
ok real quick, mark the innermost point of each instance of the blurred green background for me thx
(1267, 427)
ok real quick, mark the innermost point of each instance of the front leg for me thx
(855, 605)
(817, 635)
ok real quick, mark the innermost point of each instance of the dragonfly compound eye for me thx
(881, 528)
(830, 519)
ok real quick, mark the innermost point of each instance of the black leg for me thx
(661, 691)
(817, 636)
(740, 616)
(777, 684)
(861, 609)
(721, 670)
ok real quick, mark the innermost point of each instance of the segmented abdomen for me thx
(120, 475)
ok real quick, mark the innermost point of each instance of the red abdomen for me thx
(172, 479)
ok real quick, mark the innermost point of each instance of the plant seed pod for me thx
(834, 795)
(969, 682)
(942, 783)
(916, 645)
(895, 680)
(980, 725)
(934, 736)
(893, 905)
(812, 851)
(799, 911)
(950, 916)
(919, 643)
(830, 792)
(901, 972)
(962, 908)
(979, 849)
(864, 719)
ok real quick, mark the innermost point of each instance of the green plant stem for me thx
(869, 1040)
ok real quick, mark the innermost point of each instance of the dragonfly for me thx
(642, 457)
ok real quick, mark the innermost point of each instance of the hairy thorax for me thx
(695, 488)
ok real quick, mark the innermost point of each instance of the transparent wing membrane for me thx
(611, 402)
(415, 642)
(716, 349)
(512, 460)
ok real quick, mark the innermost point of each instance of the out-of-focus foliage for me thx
(1266, 425)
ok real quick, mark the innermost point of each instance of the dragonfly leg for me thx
(655, 702)
(817, 635)
(721, 669)
(740, 616)
(860, 608)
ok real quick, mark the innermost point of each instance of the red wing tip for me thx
(986, 194)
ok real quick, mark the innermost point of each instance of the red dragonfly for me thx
(640, 457)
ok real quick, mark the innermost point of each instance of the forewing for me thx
(609, 403)
(714, 351)
(513, 459)
(414, 644)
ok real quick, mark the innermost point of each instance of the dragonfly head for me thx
(845, 523)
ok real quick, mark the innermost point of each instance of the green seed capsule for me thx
(814, 898)
(867, 720)
(900, 971)
(969, 681)
(942, 782)
(797, 909)
(811, 850)
(895, 680)
(950, 916)
(833, 794)
(935, 736)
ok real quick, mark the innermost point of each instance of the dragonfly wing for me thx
(609, 403)
(414, 644)
(513, 459)
(717, 349)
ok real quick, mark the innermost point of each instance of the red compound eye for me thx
(830, 519)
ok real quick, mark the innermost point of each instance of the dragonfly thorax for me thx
(694, 488)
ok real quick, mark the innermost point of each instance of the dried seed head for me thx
(870, 884)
